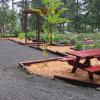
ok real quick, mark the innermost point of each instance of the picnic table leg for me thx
(87, 62)
(91, 76)
(98, 58)
(76, 65)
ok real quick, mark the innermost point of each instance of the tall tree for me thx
(4, 8)
(55, 10)
(75, 13)
(94, 14)
(91, 15)
(12, 20)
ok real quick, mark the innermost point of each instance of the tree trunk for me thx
(50, 34)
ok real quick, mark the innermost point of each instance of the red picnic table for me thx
(87, 55)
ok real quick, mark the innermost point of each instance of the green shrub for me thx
(79, 47)
(21, 35)
(29, 35)
(84, 46)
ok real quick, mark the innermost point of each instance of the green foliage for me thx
(55, 9)
(21, 36)
(47, 37)
(36, 3)
(97, 45)
(79, 47)
(78, 39)
(84, 46)
(12, 20)
(92, 43)
(46, 1)
(7, 19)
(30, 35)
(60, 38)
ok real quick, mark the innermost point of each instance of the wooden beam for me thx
(38, 29)
(25, 27)
(30, 11)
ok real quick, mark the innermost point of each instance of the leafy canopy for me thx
(55, 10)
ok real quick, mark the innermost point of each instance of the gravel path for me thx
(15, 84)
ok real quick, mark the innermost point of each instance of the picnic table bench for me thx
(87, 55)
(92, 70)
(70, 60)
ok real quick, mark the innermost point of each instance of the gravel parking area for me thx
(15, 84)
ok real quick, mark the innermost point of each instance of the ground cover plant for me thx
(88, 41)
(76, 39)
(79, 40)
(30, 35)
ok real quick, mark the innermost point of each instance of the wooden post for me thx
(25, 27)
(38, 29)
(36, 26)
(50, 33)
(22, 22)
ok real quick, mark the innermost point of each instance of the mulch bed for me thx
(54, 68)
(22, 41)
(61, 49)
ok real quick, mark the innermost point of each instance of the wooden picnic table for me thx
(84, 54)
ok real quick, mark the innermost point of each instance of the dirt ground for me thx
(20, 40)
(61, 49)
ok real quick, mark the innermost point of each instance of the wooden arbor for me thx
(36, 13)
